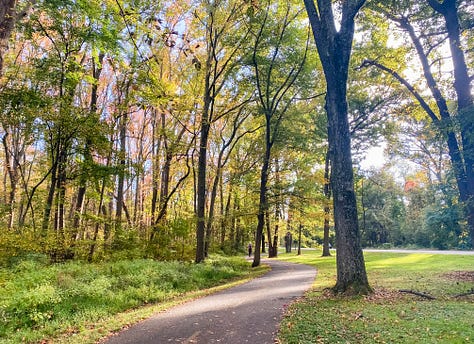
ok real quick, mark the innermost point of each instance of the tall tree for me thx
(277, 68)
(334, 47)
(457, 125)
(224, 38)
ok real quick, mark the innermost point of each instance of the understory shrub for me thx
(36, 297)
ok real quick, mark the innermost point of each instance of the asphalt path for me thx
(248, 313)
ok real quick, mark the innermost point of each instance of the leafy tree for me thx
(383, 210)
(219, 19)
(278, 66)
(428, 25)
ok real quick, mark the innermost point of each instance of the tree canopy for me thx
(174, 130)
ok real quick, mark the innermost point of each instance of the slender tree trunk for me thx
(225, 220)
(49, 201)
(81, 192)
(157, 139)
(61, 194)
(300, 228)
(205, 126)
(212, 203)
(11, 165)
(274, 252)
(269, 233)
(201, 192)
(263, 204)
(122, 167)
(327, 208)
(93, 245)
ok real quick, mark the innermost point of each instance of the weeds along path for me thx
(248, 313)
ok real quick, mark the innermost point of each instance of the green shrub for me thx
(39, 299)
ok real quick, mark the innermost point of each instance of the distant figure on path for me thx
(250, 249)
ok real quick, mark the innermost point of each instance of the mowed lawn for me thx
(388, 315)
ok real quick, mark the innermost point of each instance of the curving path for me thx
(248, 313)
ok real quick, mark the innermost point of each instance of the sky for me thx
(374, 158)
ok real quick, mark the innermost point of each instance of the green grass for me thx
(79, 302)
(386, 316)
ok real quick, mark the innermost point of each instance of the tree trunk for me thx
(122, 167)
(263, 205)
(351, 274)
(81, 192)
(8, 17)
(334, 48)
(327, 208)
(11, 165)
(462, 86)
(212, 203)
(269, 234)
(49, 201)
(93, 245)
(156, 139)
(201, 179)
(300, 228)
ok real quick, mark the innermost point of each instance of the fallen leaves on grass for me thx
(382, 295)
(462, 276)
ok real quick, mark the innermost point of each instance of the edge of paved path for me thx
(99, 331)
(248, 313)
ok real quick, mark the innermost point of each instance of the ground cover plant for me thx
(388, 315)
(40, 301)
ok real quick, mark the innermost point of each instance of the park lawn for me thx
(387, 316)
(77, 302)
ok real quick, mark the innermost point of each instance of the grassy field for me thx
(79, 303)
(388, 315)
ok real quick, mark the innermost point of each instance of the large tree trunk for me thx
(334, 48)
(351, 274)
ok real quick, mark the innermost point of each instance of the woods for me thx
(144, 129)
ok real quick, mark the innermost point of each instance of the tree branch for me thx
(405, 83)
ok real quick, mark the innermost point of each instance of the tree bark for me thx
(202, 169)
(327, 208)
(12, 157)
(334, 48)
(465, 103)
(8, 17)
(122, 166)
(263, 204)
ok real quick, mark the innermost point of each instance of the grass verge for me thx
(387, 316)
(80, 303)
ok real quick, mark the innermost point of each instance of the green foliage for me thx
(382, 211)
(38, 300)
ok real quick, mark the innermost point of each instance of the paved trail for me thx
(248, 313)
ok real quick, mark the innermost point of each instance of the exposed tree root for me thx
(470, 292)
(414, 292)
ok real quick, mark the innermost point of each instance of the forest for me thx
(175, 129)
